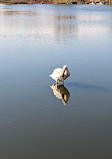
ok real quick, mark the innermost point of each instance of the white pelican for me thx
(60, 74)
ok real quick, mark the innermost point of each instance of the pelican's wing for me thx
(56, 74)
(57, 70)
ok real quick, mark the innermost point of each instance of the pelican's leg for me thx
(56, 82)
(62, 82)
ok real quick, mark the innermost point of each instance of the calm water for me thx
(38, 119)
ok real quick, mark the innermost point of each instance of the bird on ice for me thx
(60, 74)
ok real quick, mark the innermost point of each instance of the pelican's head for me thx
(66, 71)
(65, 66)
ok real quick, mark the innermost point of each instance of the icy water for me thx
(41, 120)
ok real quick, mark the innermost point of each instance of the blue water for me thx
(70, 121)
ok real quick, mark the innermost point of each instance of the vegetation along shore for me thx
(92, 2)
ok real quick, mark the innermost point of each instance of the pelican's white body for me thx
(60, 74)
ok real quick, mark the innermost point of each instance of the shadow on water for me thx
(84, 85)
(61, 92)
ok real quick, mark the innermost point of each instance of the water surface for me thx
(37, 118)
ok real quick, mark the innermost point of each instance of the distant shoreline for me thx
(90, 2)
(50, 3)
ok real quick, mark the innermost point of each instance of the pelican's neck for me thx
(63, 71)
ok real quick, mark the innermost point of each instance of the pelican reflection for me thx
(61, 92)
